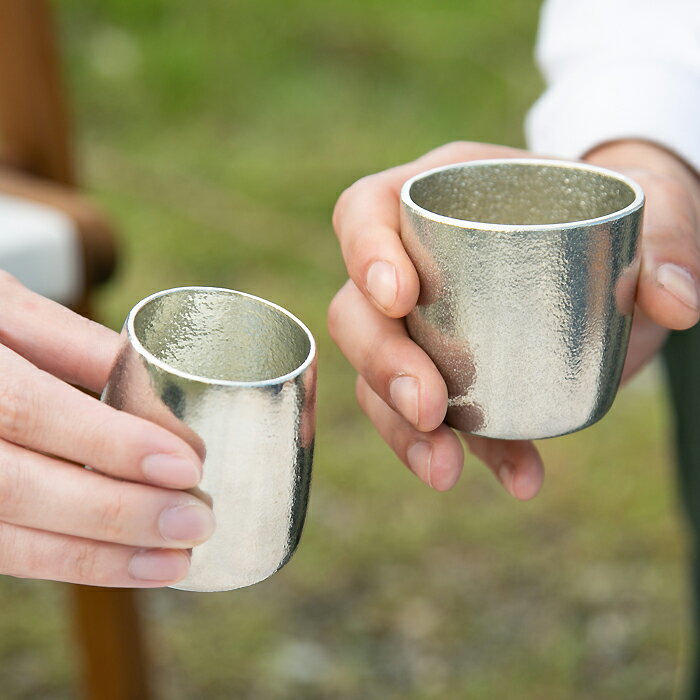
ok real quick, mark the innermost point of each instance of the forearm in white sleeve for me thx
(618, 69)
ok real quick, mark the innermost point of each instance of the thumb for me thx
(667, 290)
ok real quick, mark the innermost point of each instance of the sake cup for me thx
(528, 270)
(235, 376)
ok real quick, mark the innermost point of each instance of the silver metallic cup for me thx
(528, 270)
(235, 376)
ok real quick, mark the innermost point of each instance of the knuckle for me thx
(347, 197)
(111, 439)
(12, 485)
(457, 149)
(668, 195)
(112, 517)
(459, 146)
(9, 551)
(81, 560)
(17, 415)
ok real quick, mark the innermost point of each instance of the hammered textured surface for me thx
(235, 376)
(528, 272)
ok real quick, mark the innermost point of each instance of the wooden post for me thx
(107, 623)
(33, 114)
(36, 142)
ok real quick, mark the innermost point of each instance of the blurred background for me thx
(218, 136)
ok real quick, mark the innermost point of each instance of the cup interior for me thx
(222, 335)
(521, 193)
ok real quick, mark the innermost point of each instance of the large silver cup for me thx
(235, 376)
(528, 270)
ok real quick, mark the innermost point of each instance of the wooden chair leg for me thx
(33, 112)
(108, 629)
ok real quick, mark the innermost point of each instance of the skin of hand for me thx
(398, 386)
(127, 522)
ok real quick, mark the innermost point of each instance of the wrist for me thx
(632, 154)
(642, 159)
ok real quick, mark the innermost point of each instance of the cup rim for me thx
(637, 203)
(139, 347)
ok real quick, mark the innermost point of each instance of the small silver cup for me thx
(235, 376)
(528, 270)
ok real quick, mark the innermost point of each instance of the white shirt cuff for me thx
(595, 103)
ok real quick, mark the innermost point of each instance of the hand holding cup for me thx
(399, 386)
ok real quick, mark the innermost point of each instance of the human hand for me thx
(58, 520)
(399, 387)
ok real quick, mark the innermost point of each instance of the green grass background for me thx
(218, 135)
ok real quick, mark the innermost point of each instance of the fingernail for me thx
(170, 470)
(381, 283)
(419, 456)
(191, 523)
(404, 395)
(680, 283)
(158, 565)
(506, 473)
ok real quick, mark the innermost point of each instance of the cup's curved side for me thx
(530, 327)
(257, 474)
(257, 442)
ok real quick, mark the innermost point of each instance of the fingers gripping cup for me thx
(528, 270)
(235, 376)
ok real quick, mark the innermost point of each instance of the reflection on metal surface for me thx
(235, 376)
(527, 271)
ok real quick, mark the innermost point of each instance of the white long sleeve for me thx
(618, 69)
